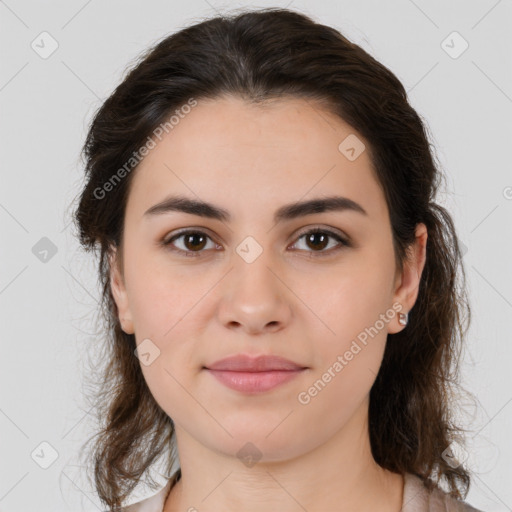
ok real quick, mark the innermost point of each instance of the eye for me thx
(318, 239)
(193, 242)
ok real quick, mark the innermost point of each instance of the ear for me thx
(119, 292)
(407, 281)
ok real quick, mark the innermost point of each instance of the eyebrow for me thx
(286, 212)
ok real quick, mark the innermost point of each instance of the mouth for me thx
(251, 375)
(254, 382)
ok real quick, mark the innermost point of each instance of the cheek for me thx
(351, 298)
(357, 310)
(348, 362)
(350, 359)
(160, 297)
(166, 307)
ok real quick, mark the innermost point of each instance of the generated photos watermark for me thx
(137, 156)
(304, 397)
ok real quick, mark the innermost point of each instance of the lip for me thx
(246, 363)
(254, 374)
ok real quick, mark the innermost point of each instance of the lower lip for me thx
(254, 382)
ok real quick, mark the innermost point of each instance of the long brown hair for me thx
(259, 55)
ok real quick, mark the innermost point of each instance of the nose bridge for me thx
(255, 266)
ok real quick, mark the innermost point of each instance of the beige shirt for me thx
(416, 498)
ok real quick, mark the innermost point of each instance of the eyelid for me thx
(185, 231)
(166, 241)
(324, 229)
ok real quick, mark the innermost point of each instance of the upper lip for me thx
(262, 363)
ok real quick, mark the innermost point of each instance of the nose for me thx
(254, 297)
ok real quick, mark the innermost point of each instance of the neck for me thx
(340, 474)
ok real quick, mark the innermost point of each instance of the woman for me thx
(280, 289)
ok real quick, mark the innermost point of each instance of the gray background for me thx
(47, 301)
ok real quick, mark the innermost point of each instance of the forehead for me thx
(256, 155)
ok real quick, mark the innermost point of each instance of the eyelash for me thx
(344, 242)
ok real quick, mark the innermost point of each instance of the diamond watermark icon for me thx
(44, 250)
(351, 147)
(454, 45)
(249, 250)
(44, 455)
(44, 45)
(147, 352)
(454, 455)
(249, 454)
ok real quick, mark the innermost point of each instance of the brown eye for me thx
(317, 240)
(192, 242)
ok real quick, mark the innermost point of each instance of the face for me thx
(196, 288)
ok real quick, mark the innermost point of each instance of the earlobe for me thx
(408, 282)
(119, 293)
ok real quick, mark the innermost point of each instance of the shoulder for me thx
(417, 498)
(153, 503)
(156, 501)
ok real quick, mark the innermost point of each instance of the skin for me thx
(291, 301)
